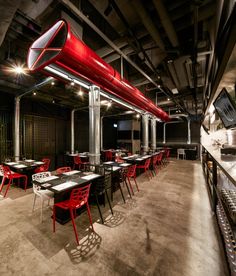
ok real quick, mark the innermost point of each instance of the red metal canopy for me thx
(59, 50)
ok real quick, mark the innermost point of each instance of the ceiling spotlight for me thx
(158, 77)
(53, 101)
(170, 61)
(109, 104)
(72, 83)
(159, 86)
(168, 99)
(137, 115)
(34, 93)
(53, 83)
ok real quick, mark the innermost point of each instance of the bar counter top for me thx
(226, 162)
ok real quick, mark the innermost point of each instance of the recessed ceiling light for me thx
(34, 93)
(53, 83)
(168, 99)
(137, 115)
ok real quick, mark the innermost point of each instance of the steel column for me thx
(102, 132)
(153, 134)
(189, 131)
(164, 133)
(17, 129)
(72, 131)
(94, 125)
(145, 133)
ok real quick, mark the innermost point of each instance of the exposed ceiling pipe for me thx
(166, 22)
(6, 15)
(148, 23)
(132, 34)
(59, 53)
(78, 13)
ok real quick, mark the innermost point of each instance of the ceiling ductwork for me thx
(147, 22)
(166, 22)
(59, 53)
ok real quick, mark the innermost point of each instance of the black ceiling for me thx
(170, 41)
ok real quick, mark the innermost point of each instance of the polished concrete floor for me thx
(165, 229)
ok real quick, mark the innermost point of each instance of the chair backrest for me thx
(132, 171)
(79, 196)
(181, 151)
(39, 176)
(147, 163)
(108, 155)
(46, 164)
(6, 171)
(159, 157)
(77, 160)
(154, 160)
(63, 170)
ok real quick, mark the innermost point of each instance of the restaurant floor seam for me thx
(165, 229)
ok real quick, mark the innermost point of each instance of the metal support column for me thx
(102, 132)
(17, 116)
(72, 131)
(164, 133)
(17, 129)
(94, 125)
(145, 133)
(189, 131)
(153, 134)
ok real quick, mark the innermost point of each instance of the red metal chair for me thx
(78, 162)
(44, 167)
(131, 173)
(145, 166)
(154, 164)
(159, 159)
(63, 170)
(8, 174)
(78, 198)
(108, 155)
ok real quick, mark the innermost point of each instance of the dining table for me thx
(62, 185)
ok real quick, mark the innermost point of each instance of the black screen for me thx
(226, 109)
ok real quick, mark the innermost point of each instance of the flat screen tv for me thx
(226, 109)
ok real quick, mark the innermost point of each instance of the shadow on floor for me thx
(87, 247)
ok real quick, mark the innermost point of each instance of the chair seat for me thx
(46, 193)
(67, 204)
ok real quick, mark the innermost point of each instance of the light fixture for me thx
(137, 115)
(159, 86)
(53, 83)
(109, 104)
(175, 91)
(168, 99)
(72, 83)
(34, 93)
(114, 125)
(53, 101)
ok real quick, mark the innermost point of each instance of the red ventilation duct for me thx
(60, 54)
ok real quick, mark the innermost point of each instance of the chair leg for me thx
(2, 184)
(74, 226)
(122, 193)
(130, 186)
(8, 186)
(89, 215)
(34, 202)
(54, 218)
(99, 210)
(26, 182)
(127, 188)
(136, 183)
(109, 201)
(41, 211)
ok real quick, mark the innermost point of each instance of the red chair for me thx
(8, 174)
(44, 167)
(108, 155)
(63, 170)
(154, 164)
(145, 166)
(159, 159)
(78, 198)
(131, 173)
(78, 162)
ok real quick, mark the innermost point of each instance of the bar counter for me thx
(226, 162)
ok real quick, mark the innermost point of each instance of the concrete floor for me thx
(165, 229)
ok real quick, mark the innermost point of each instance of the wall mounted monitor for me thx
(226, 109)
